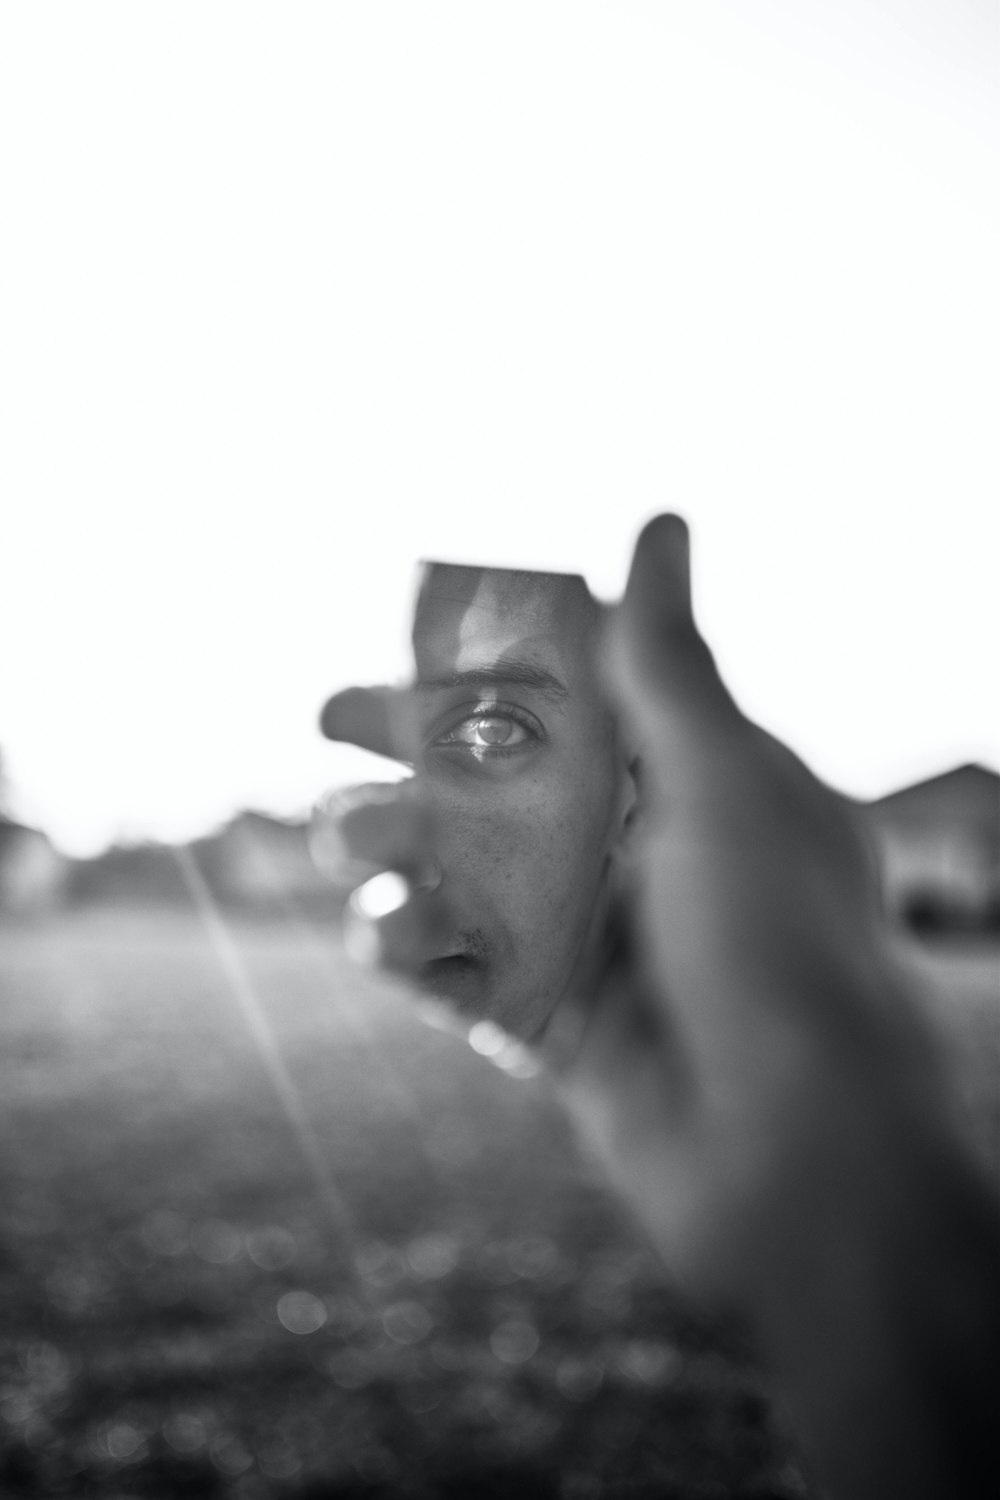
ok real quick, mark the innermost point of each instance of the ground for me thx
(264, 1234)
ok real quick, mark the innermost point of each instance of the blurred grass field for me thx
(451, 1305)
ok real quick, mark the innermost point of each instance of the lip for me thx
(451, 962)
(456, 977)
(469, 943)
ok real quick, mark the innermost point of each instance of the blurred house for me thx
(254, 861)
(143, 874)
(32, 873)
(259, 861)
(939, 842)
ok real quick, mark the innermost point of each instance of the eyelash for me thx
(496, 710)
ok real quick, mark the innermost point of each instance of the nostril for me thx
(429, 876)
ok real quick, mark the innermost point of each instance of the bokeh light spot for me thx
(407, 1322)
(185, 1433)
(380, 1264)
(432, 1256)
(649, 1362)
(270, 1247)
(215, 1241)
(229, 1455)
(381, 895)
(123, 1441)
(300, 1312)
(514, 1341)
(488, 1039)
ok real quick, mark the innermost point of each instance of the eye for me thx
(492, 730)
(488, 731)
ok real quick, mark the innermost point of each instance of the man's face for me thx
(529, 791)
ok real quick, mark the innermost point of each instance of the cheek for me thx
(529, 860)
(493, 853)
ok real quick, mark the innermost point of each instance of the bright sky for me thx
(293, 295)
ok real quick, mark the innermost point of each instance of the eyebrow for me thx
(505, 673)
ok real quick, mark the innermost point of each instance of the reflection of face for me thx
(521, 766)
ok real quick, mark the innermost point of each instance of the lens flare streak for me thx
(394, 1088)
(249, 1005)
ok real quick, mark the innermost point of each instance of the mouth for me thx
(458, 977)
(451, 963)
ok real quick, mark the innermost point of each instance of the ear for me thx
(629, 812)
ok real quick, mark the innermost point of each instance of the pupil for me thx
(495, 731)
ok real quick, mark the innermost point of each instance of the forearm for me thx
(876, 1309)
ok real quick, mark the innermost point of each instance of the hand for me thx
(741, 1050)
(753, 1036)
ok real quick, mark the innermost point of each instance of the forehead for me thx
(468, 617)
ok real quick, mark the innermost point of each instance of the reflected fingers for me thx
(379, 719)
(374, 843)
(391, 924)
(359, 831)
